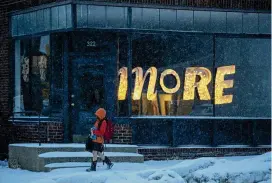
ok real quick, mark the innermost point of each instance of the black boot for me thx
(93, 167)
(108, 162)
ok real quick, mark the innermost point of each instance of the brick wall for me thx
(50, 132)
(7, 129)
(53, 132)
(29, 132)
(4, 62)
(191, 153)
(122, 134)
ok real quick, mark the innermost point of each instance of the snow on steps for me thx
(73, 158)
(33, 157)
(76, 147)
(84, 154)
(53, 166)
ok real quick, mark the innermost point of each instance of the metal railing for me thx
(38, 115)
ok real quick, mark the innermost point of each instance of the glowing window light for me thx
(202, 86)
(164, 88)
(163, 99)
(189, 85)
(220, 84)
(139, 83)
(123, 84)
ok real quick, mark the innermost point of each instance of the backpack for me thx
(109, 129)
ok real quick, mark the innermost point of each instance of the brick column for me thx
(122, 134)
(4, 62)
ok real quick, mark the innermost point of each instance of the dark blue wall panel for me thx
(33, 22)
(82, 18)
(153, 131)
(151, 18)
(168, 19)
(116, 17)
(185, 20)
(137, 18)
(234, 22)
(40, 22)
(96, 16)
(202, 21)
(21, 25)
(14, 26)
(250, 23)
(47, 19)
(99, 16)
(265, 23)
(55, 20)
(200, 131)
(62, 17)
(218, 22)
(69, 15)
(27, 22)
(192, 132)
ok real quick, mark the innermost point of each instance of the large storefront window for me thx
(32, 87)
(192, 75)
(164, 67)
(122, 58)
(252, 78)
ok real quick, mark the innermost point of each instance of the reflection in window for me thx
(91, 92)
(31, 75)
(252, 58)
(122, 52)
(176, 53)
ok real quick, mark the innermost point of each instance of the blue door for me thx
(91, 87)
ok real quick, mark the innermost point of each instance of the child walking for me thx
(98, 132)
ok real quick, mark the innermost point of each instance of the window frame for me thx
(29, 40)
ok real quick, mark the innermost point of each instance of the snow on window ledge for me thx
(34, 119)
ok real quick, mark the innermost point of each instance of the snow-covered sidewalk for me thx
(251, 169)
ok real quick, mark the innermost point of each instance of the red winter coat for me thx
(101, 114)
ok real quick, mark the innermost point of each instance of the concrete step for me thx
(74, 147)
(100, 166)
(53, 166)
(68, 157)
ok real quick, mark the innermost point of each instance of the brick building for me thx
(61, 60)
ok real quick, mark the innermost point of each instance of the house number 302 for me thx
(91, 43)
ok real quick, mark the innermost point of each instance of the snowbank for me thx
(253, 169)
(3, 164)
(204, 170)
(213, 170)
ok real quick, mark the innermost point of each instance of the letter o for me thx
(164, 88)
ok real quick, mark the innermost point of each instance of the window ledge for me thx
(196, 117)
(35, 119)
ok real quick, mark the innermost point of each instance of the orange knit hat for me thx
(101, 113)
